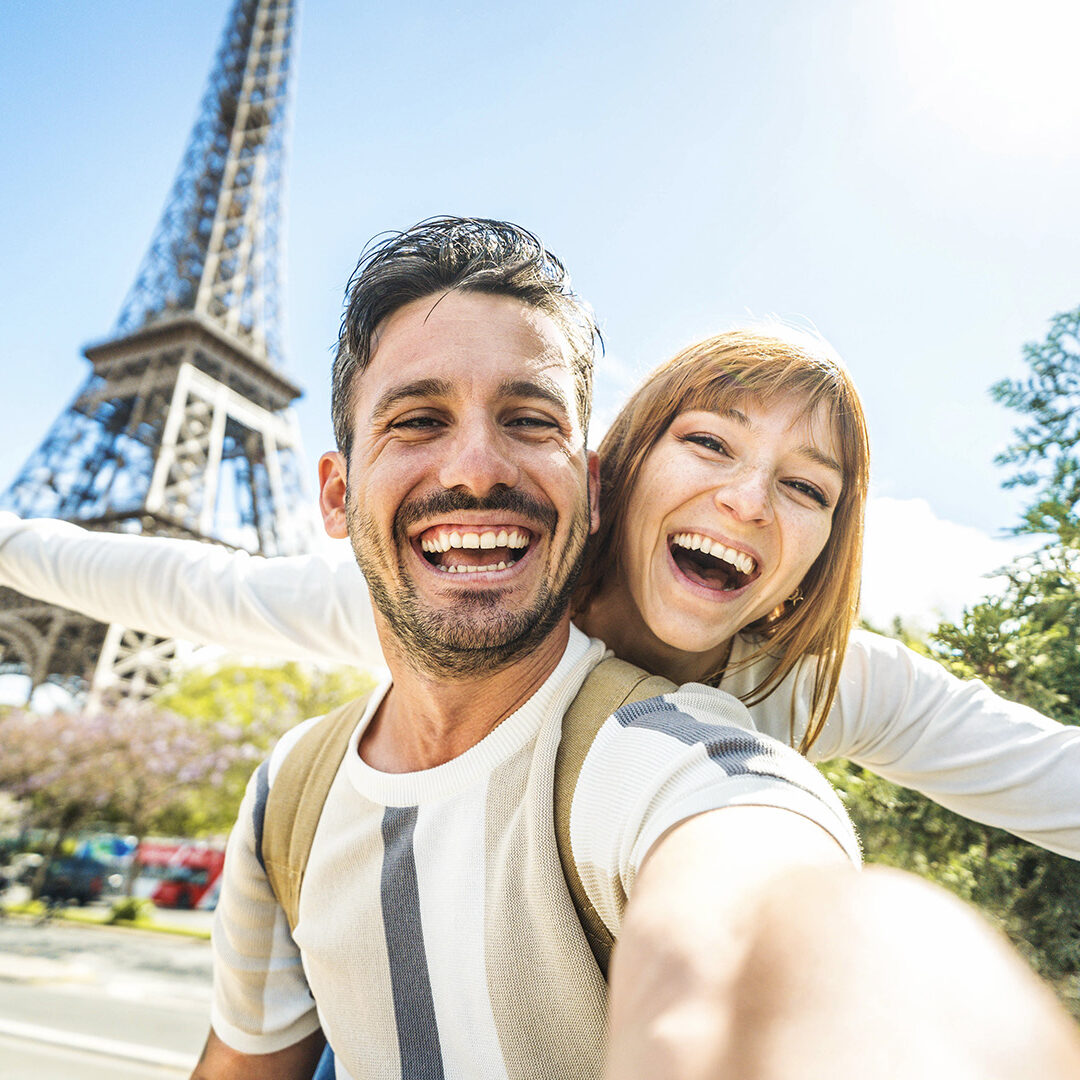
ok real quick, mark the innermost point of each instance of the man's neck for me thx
(428, 719)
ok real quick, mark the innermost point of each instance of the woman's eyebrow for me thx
(809, 451)
(815, 455)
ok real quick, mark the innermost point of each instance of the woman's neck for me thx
(613, 617)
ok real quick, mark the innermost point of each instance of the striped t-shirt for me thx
(436, 934)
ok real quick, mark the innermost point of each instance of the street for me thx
(100, 1002)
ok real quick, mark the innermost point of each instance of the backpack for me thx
(287, 815)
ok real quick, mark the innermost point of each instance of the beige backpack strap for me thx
(611, 684)
(292, 807)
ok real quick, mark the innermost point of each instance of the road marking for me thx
(148, 1055)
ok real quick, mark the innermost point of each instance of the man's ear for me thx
(594, 491)
(333, 486)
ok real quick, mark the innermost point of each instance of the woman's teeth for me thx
(707, 546)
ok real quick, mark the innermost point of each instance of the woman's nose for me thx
(746, 496)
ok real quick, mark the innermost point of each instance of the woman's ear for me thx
(333, 486)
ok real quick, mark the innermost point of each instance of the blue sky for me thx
(901, 175)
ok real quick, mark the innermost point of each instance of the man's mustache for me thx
(442, 504)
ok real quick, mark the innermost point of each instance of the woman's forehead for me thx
(816, 414)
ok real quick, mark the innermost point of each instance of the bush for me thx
(130, 909)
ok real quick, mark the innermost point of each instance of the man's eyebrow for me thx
(544, 389)
(421, 388)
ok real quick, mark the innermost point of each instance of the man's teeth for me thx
(464, 569)
(489, 538)
(696, 542)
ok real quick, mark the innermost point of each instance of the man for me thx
(436, 936)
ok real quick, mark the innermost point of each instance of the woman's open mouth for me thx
(711, 564)
(471, 550)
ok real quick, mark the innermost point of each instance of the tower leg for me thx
(132, 665)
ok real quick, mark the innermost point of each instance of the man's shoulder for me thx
(628, 695)
(657, 738)
(696, 701)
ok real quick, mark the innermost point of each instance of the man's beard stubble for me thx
(475, 635)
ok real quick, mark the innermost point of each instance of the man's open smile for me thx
(472, 548)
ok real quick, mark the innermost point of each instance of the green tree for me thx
(176, 766)
(255, 705)
(1043, 454)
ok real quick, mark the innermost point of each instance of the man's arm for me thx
(690, 925)
(749, 949)
(262, 1012)
(296, 1062)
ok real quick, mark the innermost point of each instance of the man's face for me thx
(467, 497)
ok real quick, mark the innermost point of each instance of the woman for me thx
(736, 481)
(733, 493)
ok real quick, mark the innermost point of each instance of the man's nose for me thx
(478, 459)
(747, 496)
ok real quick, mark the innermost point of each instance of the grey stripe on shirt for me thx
(737, 752)
(414, 1007)
(258, 813)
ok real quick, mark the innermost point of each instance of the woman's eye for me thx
(709, 442)
(812, 491)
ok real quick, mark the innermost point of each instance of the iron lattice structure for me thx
(183, 426)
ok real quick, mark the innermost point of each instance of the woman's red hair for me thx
(715, 375)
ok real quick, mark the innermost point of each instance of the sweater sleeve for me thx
(299, 608)
(656, 763)
(906, 718)
(261, 1001)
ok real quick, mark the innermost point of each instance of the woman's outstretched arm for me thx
(297, 608)
(906, 718)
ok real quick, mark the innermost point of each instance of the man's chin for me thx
(457, 645)
(476, 636)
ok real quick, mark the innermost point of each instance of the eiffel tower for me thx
(183, 426)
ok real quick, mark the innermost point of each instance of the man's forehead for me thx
(455, 313)
(464, 344)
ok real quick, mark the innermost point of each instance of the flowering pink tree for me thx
(130, 767)
(177, 766)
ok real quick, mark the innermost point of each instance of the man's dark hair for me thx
(442, 254)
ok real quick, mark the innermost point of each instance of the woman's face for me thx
(728, 514)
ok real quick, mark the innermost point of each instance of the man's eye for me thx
(538, 422)
(415, 423)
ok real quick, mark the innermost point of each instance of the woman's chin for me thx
(684, 637)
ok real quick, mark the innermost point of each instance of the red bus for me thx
(180, 873)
